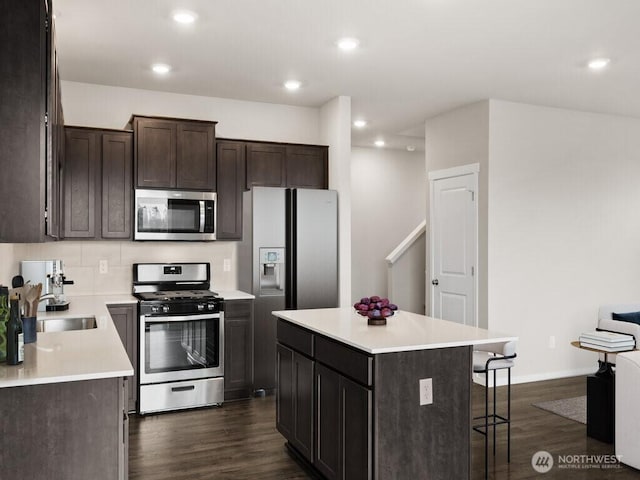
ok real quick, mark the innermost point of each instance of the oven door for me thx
(174, 348)
(174, 215)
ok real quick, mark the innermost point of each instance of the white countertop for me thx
(404, 331)
(233, 294)
(74, 355)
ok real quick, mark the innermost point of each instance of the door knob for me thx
(434, 282)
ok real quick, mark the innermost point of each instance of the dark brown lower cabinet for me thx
(125, 320)
(343, 426)
(294, 402)
(238, 349)
(67, 430)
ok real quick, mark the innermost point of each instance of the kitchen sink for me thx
(66, 324)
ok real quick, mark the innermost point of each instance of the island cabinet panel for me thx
(307, 167)
(294, 401)
(155, 153)
(343, 426)
(437, 435)
(238, 349)
(195, 159)
(125, 320)
(61, 431)
(266, 165)
(230, 181)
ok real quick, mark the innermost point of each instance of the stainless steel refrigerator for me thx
(288, 259)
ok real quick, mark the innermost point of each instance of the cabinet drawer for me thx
(237, 308)
(295, 337)
(349, 362)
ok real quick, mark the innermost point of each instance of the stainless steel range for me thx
(181, 350)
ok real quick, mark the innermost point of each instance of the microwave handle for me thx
(202, 216)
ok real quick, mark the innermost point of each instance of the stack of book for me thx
(607, 341)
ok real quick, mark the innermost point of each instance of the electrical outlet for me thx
(226, 265)
(426, 391)
(552, 341)
(104, 266)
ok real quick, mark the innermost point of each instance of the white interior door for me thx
(454, 244)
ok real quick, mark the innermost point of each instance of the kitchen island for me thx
(63, 408)
(383, 402)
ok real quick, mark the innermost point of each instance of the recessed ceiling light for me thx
(411, 148)
(360, 123)
(598, 63)
(160, 68)
(292, 85)
(185, 17)
(348, 43)
(379, 143)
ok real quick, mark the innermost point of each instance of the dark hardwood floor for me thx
(239, 441)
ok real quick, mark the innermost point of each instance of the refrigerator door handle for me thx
(290, 246)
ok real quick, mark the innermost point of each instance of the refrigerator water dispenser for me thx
(271, 271)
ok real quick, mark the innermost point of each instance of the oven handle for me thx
(181, 318)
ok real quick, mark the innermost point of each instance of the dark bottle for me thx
(15, 337)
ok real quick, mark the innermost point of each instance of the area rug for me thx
(571, 408)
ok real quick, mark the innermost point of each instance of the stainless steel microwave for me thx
(175, 215)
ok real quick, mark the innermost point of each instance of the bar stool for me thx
(491, 358)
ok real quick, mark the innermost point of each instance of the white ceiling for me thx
(417, 58)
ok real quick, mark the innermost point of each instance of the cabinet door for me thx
(124, 319)
(266, 165)
(328, 433)
(231, 178)
(116, 185)
(81, 161)
(307, 167)
(302, 438)
(155, 155)
(284, 391)
(195, 160)
(355, 430)
(54, 139)
(238, 349)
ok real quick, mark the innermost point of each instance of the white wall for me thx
(564, 228)
(336, 133)
(455, 138)
(111, 107)
(388, 199)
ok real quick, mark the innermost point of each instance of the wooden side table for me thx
(601, 400)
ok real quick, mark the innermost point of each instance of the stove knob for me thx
(155, 309)
(211, 306)
(200, 307)
(165, 308)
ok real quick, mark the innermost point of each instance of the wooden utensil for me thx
(36, 301)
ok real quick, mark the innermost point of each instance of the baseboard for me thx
(538, 377)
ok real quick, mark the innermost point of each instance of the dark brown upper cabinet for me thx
(174, 153)
(97, 183)
(266, 165)
(231, 174)
(30, 110)
(117, 164)
(81, 161)
(307, 167)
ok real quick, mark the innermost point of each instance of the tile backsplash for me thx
(82, 261)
